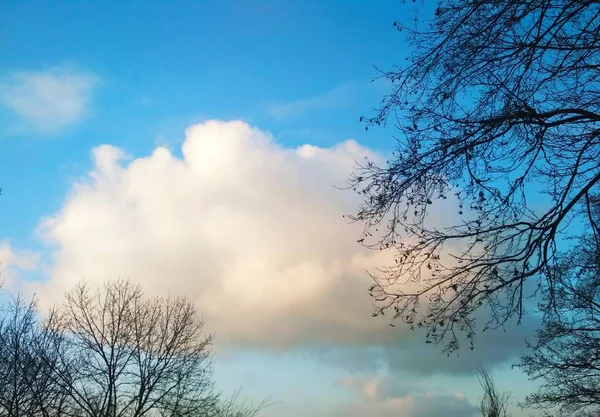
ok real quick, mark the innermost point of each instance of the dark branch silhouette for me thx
(566, 355)
(110, 353)
(497, 108)
(125, 354)
(26, 364)
(493, 403)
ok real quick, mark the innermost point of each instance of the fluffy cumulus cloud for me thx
(253, 232)
(15, 262)
(388, 397)
(48, 100)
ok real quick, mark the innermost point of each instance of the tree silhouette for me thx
(498, 105)
(493, 403)
(128, 355)
(566, 355)
(113, 352)
(26, 364)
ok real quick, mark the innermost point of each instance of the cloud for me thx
(341, 96)
(408, 352)
(385, 397)
(336, 97)
(253, 232)
(13, 262)
(50, 100)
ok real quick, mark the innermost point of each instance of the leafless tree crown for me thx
(128, 355)
(498, 110)
(565, 357)
(111, 352)
(493, 403)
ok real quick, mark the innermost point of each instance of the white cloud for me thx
(336, 97)
(251, 230)
(254, 232)
(48, 100)
(409, 353)
(13, 262)
(379, 396)
(343, 95)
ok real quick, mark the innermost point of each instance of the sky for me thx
(195, 147)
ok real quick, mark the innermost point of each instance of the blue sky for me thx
(162, 66)
(133, 76)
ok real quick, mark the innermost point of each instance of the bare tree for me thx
(493, 403)
(123, 354)
(233, 407)
(112, 353)
(497, 105)
(566, 356)
(26, 365)
(17, 359)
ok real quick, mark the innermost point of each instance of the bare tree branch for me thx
(493, 403)
(126, 355)
(498, 108)
(565, 358)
